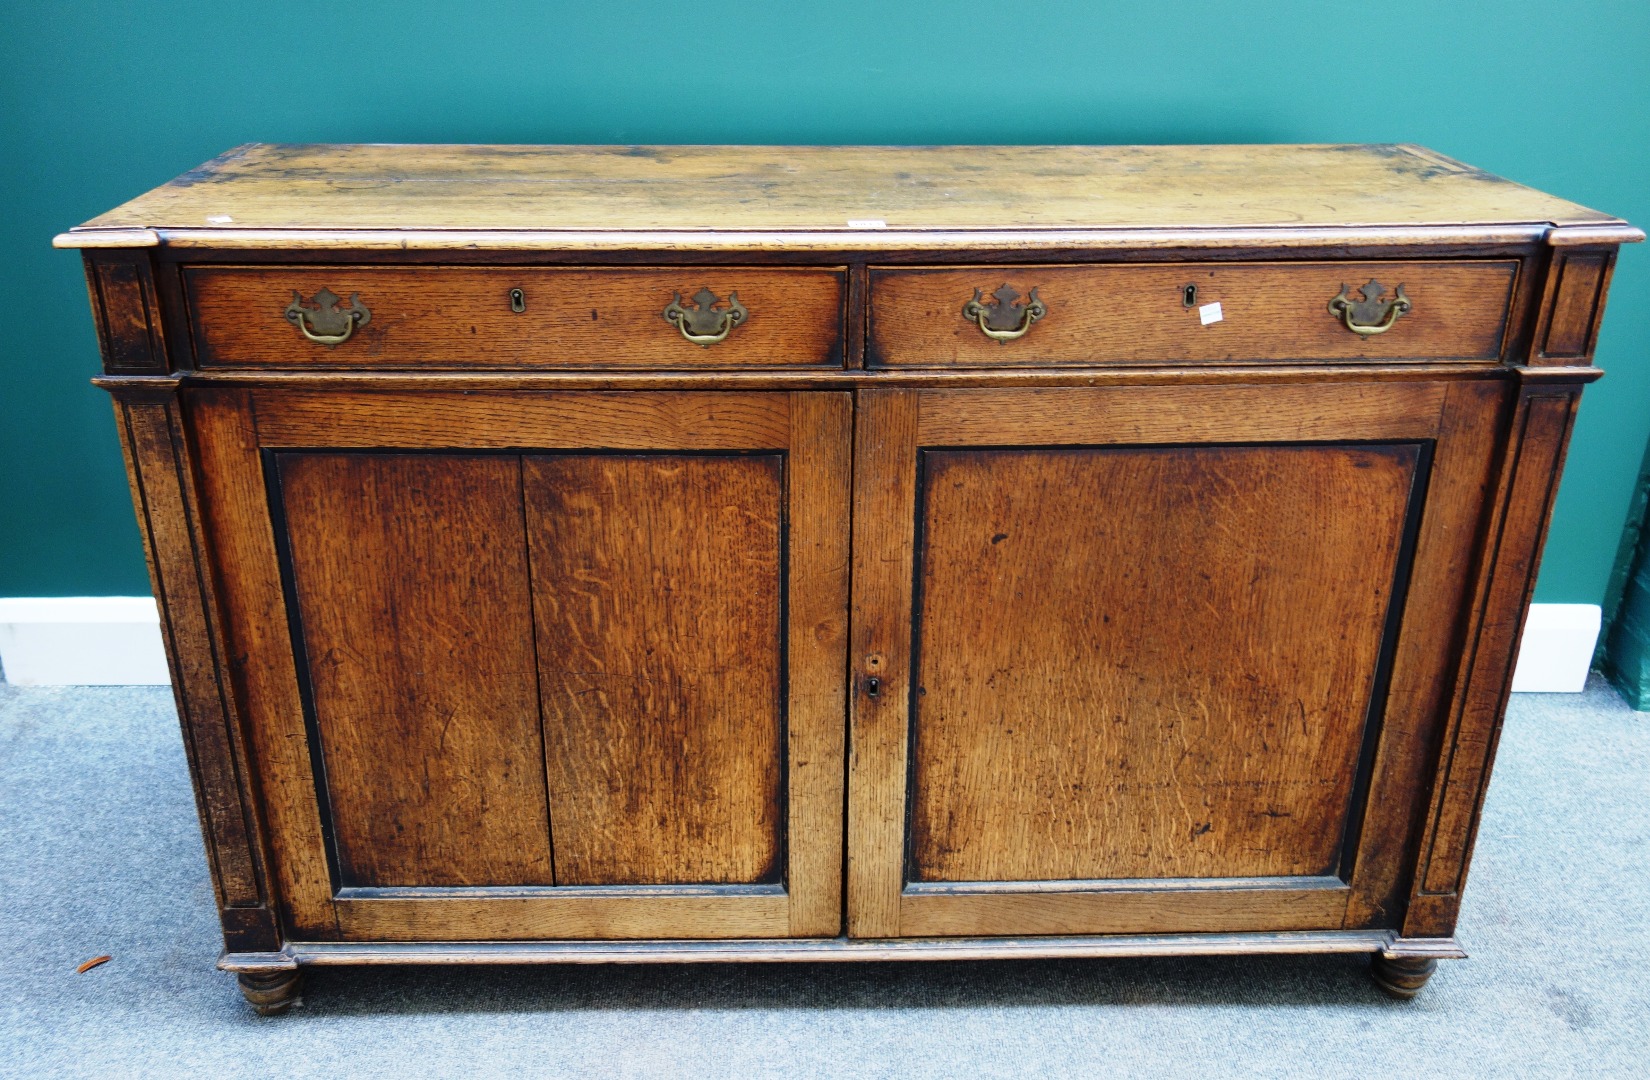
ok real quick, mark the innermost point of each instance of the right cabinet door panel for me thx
(1134, 672)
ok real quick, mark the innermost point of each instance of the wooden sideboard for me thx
(591, 554)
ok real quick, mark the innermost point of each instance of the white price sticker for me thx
(1210, 313)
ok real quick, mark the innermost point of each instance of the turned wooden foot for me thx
(1402, 976)
(271, 992)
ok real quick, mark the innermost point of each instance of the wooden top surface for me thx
(433, 194)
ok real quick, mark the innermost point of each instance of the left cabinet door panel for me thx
(410, 576)
(539, 665)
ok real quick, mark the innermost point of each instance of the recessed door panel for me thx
(657, 585)
(1150, 659)
(539, 665)
(1147, 662)
(410, 575)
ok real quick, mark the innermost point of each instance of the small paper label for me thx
(867, 223)
(1210, 313)
(219, 219)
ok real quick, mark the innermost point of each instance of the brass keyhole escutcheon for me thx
(518, 301)
(1188, 296)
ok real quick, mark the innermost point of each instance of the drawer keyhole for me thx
(518, 301)
(1188, 296)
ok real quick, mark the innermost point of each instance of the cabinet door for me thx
(1152, 659)
(539, 665)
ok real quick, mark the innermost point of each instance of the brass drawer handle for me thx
(704, 323)
(1371, 315)
(332, 325)
(1004, 320)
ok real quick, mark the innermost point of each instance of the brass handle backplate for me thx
(323, 321)
(704, 323)
(1004, 320)
(1371, 315)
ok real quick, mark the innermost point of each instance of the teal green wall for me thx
(110, 98)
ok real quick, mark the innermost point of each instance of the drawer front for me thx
(1268, 312)
(510, 317)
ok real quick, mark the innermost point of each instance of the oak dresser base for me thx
(788, 554)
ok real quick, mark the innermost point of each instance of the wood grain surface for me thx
(1426, 653)
(685, 420)
(551, 914)
(260, 666)
(161, 470)
(121, 286)
(1147, 663)
(1527, 484)
(1133, 414)
(461, 317)
(1214, 906)
(657, 592)
(1578, 282)
(818, 508)
(411, 578)
(885, 474)
(727, 188)
(1137, 313)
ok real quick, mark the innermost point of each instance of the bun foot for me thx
(271, 993)
(1402, 976)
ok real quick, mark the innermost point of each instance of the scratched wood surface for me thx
(657, 591)
(411, 578)
(1116, 678)
(731, 188)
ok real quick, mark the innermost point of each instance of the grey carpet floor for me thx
(99, 853)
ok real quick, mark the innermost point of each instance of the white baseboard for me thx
(82, 641)
(1557, 651)
(115, 641)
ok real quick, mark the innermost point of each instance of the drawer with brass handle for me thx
(1367, 311)
(516, 317)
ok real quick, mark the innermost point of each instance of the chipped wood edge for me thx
(106, 238)
(1581, 235)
